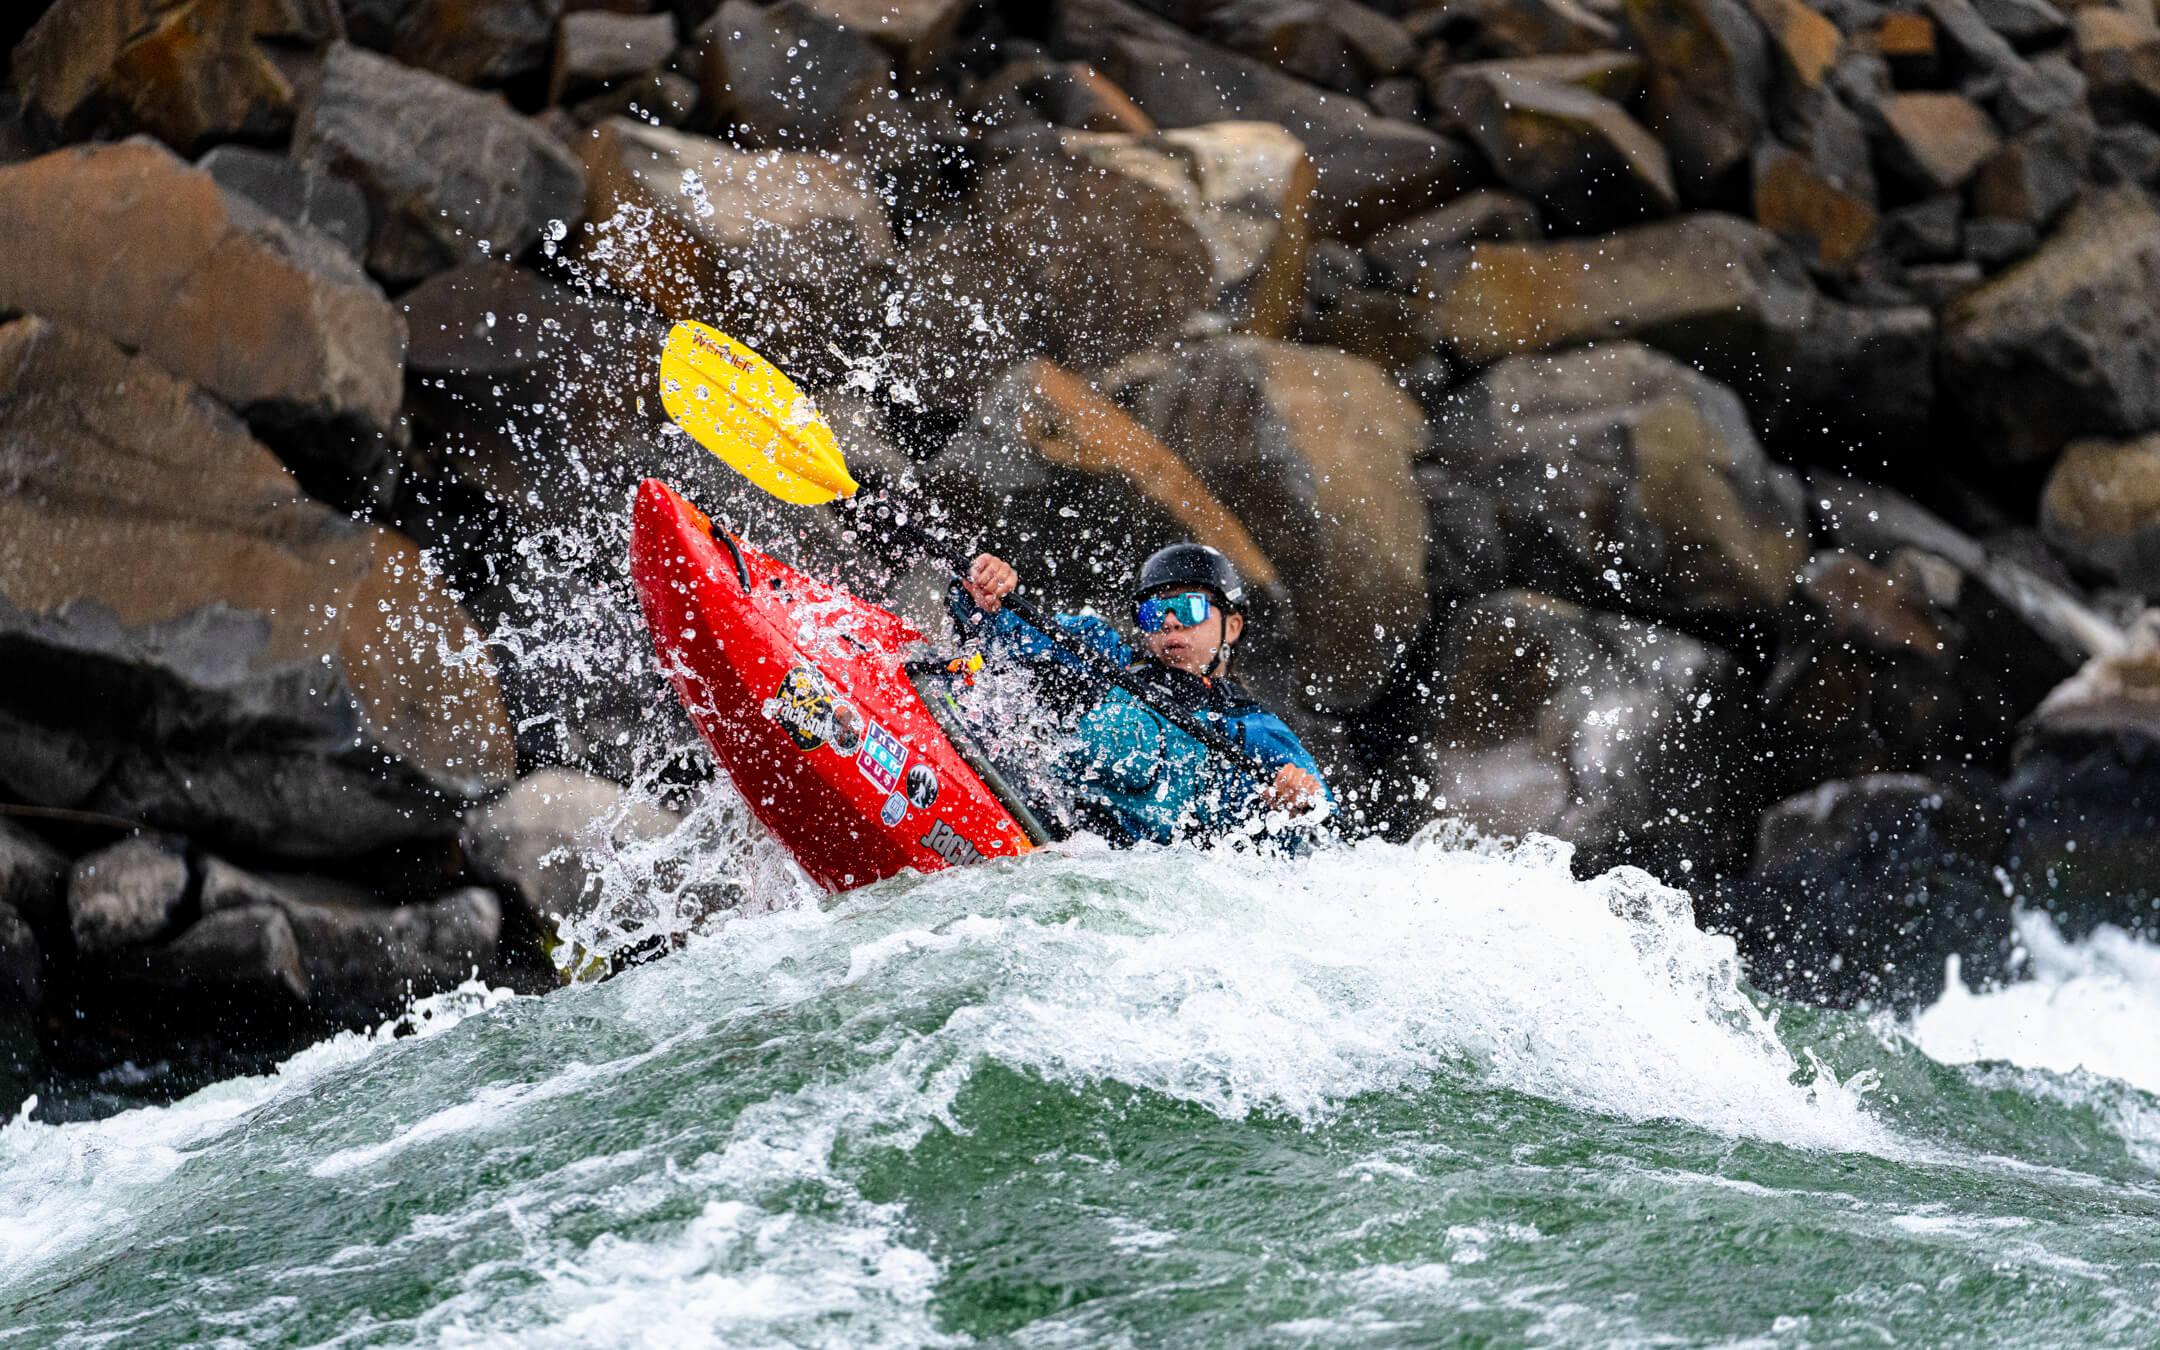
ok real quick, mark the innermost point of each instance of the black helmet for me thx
(1191, 564)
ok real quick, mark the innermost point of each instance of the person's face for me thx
(1194, 649)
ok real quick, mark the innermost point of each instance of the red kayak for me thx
(807, 698)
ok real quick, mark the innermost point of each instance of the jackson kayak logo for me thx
(804, 707)
(949, 844)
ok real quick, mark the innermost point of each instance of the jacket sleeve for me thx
(1006, 633)
(1270, 740)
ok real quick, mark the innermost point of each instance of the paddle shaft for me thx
(1097, 664)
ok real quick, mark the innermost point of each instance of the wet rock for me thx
(1056, 254)
(277, 322)
(2063, 344)
(539, 843)
(2028, 94)
(1344, 47)
(362, 960)
(1488, 29)
(1068, 94)
(1624, 477)
(2027, 23)
(1997, 243)
(2128, 153)
(1469, 555)
(2084, 795)
(33, 878)
(1402, 251)
(1936, 285)
(1928, 231)
(1246, 189)
(1313, 450)
(239, 964)
(1372, 170)
(1707, 85)
(790, 77)
(776, 248)
(130, 893)
(1862, 888)
(915, 31)
(283, 678)
(1936, 141)
(1804, 45)
(1597, 729)
(449, 174)
(488, 43)
(294, 193)
(1378, 325)
(660, 97)
(187, 72)
(1578, 155)
(1907, 42)
(597, 48)
(22, 973)
(2102, 509)
(1827, 224)
(2037, 173)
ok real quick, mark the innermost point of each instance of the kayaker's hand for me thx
(1293, 789)
(989, 580)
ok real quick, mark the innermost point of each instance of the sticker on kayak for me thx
(922, 786)
(847, 727)
(882, 756)
(895, 807)
(949, 844)
(804, 706)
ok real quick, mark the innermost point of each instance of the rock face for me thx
(778, 248)
(789, 77)
(126, 895)
(33, 878)
(1313, 450)
(276, 321)
(188, 72)
(1708, 84)
(449, 174)
(2063, 344)
(2102, 508)
(273, 681)
(1625, 478)
(1862, 888)
(1598, 729)
(1372, 170)
(294, 193)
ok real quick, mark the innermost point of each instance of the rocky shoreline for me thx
(1721, 433)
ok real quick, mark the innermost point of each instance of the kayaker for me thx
(1143, 777)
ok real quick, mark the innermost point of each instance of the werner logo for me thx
(950, 845)
(726, 354)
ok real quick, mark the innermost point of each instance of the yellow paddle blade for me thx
(738, 405)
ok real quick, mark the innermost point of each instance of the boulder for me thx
(2127, 154)
(2084, 795)
(1826, 223)
(361, 960)
(790, 77)
(2037, 173)
(1713, 290)
(546, 842)
(1246, 189)
(660, 97)
(485, 42)
(1402, 251)
(1707, 85)
(2063, 345)
(1372, 170)
(240, 964)
(917, 32)
(1344, 47)
(1577, 154)
(1862, 889)
(1627, 479)
(1995, 243)
(2029, 93)
(1600, 730)
(449, 174)
(1935, 141)
(283, 678)
(1469, 556)
(1499, 29)
(185, 71)
(1066, 94)
(1804, 45)
(276, 321)
(2027, 23)
(2102, 510)
(2119, 52)
(1927, 231)
(595, 48)
(1312, 449)
(128, 894)
(295, 193)
(33, 878)
(1055, 254)
(778, 248)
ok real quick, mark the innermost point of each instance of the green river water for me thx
(1422, 1094)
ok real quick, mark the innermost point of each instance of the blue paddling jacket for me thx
(1143, 778)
